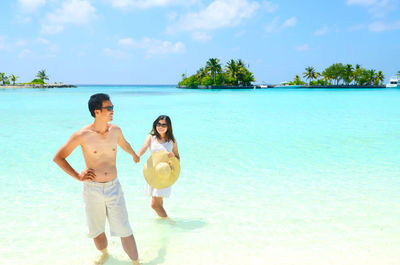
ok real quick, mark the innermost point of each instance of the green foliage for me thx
(37, 82)
(7, 79)
(234, 73)
(4, 79)
(334, 72)
(13, 78)
(42, 75)
(207, 81)
(297, 81)
(379, 78)
(341, 74)
(220, 79)
(310, 73)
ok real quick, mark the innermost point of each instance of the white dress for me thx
(155, 146)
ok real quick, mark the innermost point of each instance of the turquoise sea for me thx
(272, 176)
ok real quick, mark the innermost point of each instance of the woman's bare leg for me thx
(157, 205)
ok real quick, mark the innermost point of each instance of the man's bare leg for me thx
(129, 245)
(101, 244)
(157, 205)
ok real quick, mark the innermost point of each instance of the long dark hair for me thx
(169, 134)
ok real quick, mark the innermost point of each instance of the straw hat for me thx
(160, 171)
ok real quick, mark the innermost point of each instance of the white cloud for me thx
(361, 2)
(123, 4)
(357, 27)
(24, 53)
(114, 53)
(52, 48)
(377, 8)
(201, 36)
(21, 43)
(322, 31)
(273, 26)
(220, 13)
(126, 42)
(379, 26)
(75, 12)
(30, 6)
(153, 46)
(43, 41)
(270, 7)
(172, 16)
(240, 34)
(277, 26)
(291, 22)
(304, 47)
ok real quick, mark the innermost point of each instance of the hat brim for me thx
(151, 176)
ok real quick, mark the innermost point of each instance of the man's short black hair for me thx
(96, 102)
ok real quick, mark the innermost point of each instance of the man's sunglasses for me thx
(109, 108)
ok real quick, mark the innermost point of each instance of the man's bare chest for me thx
(96, 144)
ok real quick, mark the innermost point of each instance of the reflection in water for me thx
(183, 224)
(165, 227)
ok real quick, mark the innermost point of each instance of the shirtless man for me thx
(102, 192)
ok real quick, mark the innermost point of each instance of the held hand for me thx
(171, 155)
(87, 174)
(136, 158)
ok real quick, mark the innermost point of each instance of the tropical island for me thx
(339, 75)
(213, 75)
(9, 81)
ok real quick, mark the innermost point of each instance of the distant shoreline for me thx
(280, 86)
(37, 86)
(330, 86)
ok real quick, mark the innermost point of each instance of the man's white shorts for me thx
(105, 200)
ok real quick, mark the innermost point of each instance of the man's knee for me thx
(102, 236)
(101, 241)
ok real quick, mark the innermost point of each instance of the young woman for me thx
(160, 138)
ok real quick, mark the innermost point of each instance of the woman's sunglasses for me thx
(164, 125)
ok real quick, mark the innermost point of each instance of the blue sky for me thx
(155, 41)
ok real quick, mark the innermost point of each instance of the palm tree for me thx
(310, 73)
(348, 74)
(42, 75)
(241, 63)
(201, 73)
(13, 78)
(379, 78)
(297, 80)
(371, 76)
(241, 72)
(213, 66)
(3, 78)
(233, 69)
(357, 73)
(398, 74)
(328, 75)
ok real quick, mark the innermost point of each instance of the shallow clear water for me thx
(270, 176)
